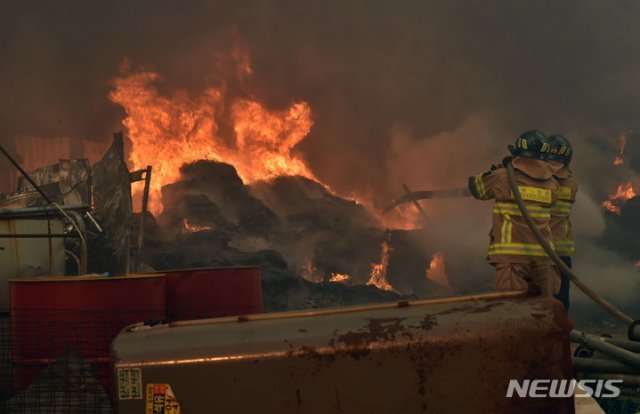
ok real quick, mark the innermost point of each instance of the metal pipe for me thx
(25, 175)
(552, 254)
(143, 217)
(39, 211)
(598, 344)
(93, 220)
(602, 365)
(425, 195)
(628, 345)
(600, 355)
(70, 253)
(415, 203)
(80, 228)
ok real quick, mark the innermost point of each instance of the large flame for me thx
(169, 131)
(615, 201)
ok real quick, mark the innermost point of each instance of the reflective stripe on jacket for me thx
(511, 240)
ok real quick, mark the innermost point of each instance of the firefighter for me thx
(519, 261)
(559, 159)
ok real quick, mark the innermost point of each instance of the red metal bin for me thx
(52, 316)
(213, 292)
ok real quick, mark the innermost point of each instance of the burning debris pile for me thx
(315, 249)
(229, 189)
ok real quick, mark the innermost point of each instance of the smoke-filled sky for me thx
(371, 70)
(421, 92)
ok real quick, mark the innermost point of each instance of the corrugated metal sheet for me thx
(448, 356)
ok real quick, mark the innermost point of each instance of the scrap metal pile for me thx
(315, 248)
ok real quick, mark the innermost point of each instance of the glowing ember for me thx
(190, 228)
(339, 278)
(169, 131)
(617, 200)
(436, 271)
(622, 142)
(379, 270)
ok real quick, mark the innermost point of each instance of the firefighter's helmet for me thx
(531, 144)
(560, 149)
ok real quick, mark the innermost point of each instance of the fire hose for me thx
(633, 325)
(428, 194)
(634, 328)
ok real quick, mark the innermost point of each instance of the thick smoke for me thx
(417, 92)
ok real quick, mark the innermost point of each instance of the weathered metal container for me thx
(52, 317)
(22, 256)
(442, 356)
(213, 292)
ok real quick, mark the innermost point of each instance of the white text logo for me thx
(555, 388)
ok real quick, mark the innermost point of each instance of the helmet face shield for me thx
(560, 149)
(531, 144)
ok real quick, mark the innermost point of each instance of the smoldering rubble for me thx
(299, 233)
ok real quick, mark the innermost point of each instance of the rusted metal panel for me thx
(447, 356)
(113, 210)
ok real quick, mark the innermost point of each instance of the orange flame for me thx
(169, 131)
(266, 139)
(339, 278)
(379, 270)
(436, 271)
(617, 200)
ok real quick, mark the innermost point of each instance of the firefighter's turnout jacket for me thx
(511, 240)
(560, 212)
